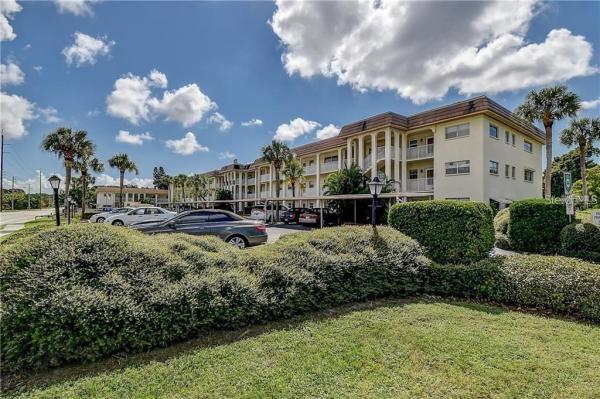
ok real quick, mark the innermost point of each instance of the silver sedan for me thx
(101, 217)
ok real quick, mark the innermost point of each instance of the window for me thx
(154, 211)
(458, 168)
(507, 171)
(333, 158)
(493, 167)
(139, 211)
(494, 132)
(221, 217)
(453, 132)
(507, 137)
(527, 146)
(413, 143)
(528, 175)
(194, 217)
(514, 139)
(514, 172)
(413, 174)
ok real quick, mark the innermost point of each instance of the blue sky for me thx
(331, 73)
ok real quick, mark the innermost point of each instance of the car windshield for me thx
(120, 210)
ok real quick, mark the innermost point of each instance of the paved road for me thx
(13, 221)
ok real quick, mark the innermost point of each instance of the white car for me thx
(101, 217)
(258, 212)
(142, 214)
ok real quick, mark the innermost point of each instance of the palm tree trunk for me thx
(68, 166)
(293, 194)
(548, 177)
(277, 188)
(121, 177)
(582, 156)
(83, 193)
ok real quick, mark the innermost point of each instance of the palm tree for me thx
(181, 181)
(69, 146)
(583, 133)
(277, 154)
(86, 162)
(293, 173)
(547, 106)
(198, 183)
(124, 164)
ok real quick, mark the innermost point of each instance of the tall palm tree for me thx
(124, 164)
(182, 180)
(583, 133)
(69, 146)
(277, 154)
(547, 106)
(198, 183)
(87, 162)
(293, 173)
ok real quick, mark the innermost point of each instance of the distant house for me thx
(108, 196)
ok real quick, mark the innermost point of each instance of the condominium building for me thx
(469, 150)
(108, 196)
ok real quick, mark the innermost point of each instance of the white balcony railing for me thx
(310, 170)
(328, 166)
(420, 151)
(264, 194)
(251, 180)
(420, 185)
(264, 177)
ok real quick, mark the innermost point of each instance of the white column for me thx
(373, 155)
(388, 153)
(349, 152)
(242, 192)
(318, 178)
(339, 159)
(271, 181)
(361, 152)
(397, 159)
(257, 183)
(404, 176)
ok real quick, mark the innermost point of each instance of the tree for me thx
(277, 154)
(198, 183)
(583, 133)
(124, 164)
(223, 194)
(293, 172)
(161, 178)
(547, 106)
(180, 181)
(570, 162)
(69, 146)
(593, 182)
(84, 164)
(349, 180)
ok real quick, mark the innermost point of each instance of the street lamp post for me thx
(375, 186)
(55, 183)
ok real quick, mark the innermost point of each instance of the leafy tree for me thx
(77, 191)
(69, 146)
(277, 154)
(570, 162)
(124, 164)
(161, 179)
(198, 184)
(87, 162)
(293, 172)
(547, 106)
(349, 180)
(583, 133)
(223, 194)
(593, 186)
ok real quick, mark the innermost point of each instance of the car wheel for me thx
(237, 241)
(118, 223)
(100, 220)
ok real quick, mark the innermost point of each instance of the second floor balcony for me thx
(329, 166)
(310, 170)
(420, 185)
(251, 180)
(420, 151)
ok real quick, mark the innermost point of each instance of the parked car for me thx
(292, 215)
(258, 212)
(312, 217)
(142, 214)
(230, 227)
(101, 217)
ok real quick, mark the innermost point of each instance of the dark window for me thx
(139, 211)
(527, 146)
(194, 217)
(413, 174)
(222, 217)
(493, 131)
(494, 167)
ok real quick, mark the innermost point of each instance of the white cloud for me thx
(34, 182)
(8, 9)
(50, 115)
(93, 113)
(75, 7)
(16, 111)
(219, 119)
(253, 122)
(158, 79)
(187, 145)
(422, 49)
(226, 155)
(11, 74)
(106, 180)
(136, 139)
(327, 132)
(86, 49)
(38, 68)
(130, 97)
(590, 104)
(294, 129)
(186, 105)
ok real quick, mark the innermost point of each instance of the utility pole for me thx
(1, 169)
(12, 192)
(28, 196)
(40, 197)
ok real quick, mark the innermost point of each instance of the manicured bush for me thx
(557, 283)
(451, 231)
(580, 237)
(501, 221)
(535, 225)
(85, 291)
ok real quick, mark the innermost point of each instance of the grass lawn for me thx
(378, 349)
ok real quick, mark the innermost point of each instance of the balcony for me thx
(310, 170)
(265, 177)
(420, 152)
(329, 166)
(420, 185)
(264, 194)
(251, 180)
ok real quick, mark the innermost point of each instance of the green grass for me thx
(379, 349)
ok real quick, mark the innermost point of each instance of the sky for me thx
(190, 86)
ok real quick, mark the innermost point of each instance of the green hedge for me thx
(451, 231)
(535, 225)
(580, 237)
(85, 291)
(557, 283)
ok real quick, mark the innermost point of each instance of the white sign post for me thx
(596, 218)
(569, 203)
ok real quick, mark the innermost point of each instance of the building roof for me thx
(145, 190)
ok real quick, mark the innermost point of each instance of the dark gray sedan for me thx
(228, 226)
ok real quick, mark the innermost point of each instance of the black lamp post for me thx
(375, 186)
(55, 183)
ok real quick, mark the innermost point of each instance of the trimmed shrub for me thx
(451, 231)
(502, 241)
(80, 292)
(535, 225)
(580, 237)
(561, 284)
(501, 221)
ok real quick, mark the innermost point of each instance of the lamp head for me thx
(375, 186)
(54, 182)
